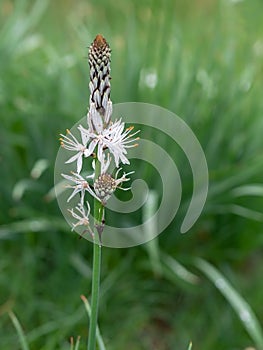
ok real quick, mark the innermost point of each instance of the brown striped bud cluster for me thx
(104, 186)
(99, 62)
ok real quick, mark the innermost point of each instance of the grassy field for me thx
(205, 286)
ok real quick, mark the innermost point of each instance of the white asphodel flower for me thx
(80, 186)
(70, 143)
(114, 138)
(82, 217)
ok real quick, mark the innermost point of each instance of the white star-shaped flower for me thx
(70, 143)
(114, 138)
(81, 185)
(82, 217)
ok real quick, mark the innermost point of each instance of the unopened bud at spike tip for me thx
(99, 41)
(99, 62)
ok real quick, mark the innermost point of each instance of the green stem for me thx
(98, 216)
(94, 295)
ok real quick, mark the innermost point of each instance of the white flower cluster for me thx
(101, 139)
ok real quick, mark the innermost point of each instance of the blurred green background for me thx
(207, 56)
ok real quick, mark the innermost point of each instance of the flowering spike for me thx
(99, 62)
(104, 140)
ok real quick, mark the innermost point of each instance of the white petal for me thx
(91, 148)
(97, 122)
(79, 164)
(76, 190)
(72, 159)
(100, 154)
(85, 134)
(97, 97)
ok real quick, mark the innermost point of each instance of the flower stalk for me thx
(103, 140)
(96, 270)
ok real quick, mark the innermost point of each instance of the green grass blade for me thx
(40, 166)
(71, 343)
(179, 270)
(19, 330)
(152, 247)
(248, 190)
(77, 344)
(242, 308)
(240, 211)
(76, 347)
(98, 334)
(190, 346)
